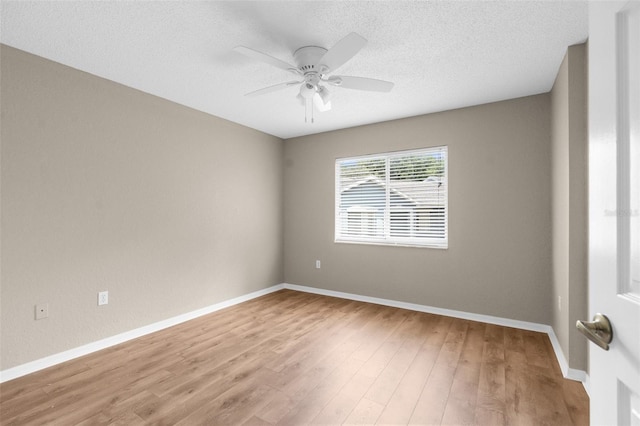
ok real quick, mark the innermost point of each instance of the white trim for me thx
(49, 361)
(587, 385)
(424, 308)
(568, 373)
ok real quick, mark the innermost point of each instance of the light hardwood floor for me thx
(295, 358)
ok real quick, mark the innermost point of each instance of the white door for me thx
(614, 217)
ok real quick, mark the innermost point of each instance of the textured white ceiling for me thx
(440, 54)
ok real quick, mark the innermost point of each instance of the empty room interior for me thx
(294, 212)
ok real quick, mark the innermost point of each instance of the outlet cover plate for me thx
(42, 311)
(103, 298)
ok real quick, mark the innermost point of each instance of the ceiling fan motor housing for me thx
(307, 58)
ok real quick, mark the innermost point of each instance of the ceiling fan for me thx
(313, 66)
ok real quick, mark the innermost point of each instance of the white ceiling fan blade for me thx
(273, 88)
(320, 104)
(360, 83)
(341, 52)
(254, 54)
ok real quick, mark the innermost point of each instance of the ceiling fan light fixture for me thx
(324, 94)
(307, 90)
(320, 104)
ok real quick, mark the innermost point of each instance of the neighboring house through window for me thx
(397, 198)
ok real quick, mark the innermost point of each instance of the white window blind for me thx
(397, 198)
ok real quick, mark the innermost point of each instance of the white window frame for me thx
(386, 238)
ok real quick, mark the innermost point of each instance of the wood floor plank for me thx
(199, 389)
(365, 413)
(431, 405)
(467, 375)
(292, 358)
(233, 407)
(22, 402)
(15, 388)
(459, 411)
(256, 421)
(405, 397)
(278, 407)
(388, 379)
(315, 347)
(576, 400)
(124, 419)
(536, 349)
(549, 400)
(486, 416)
(299, 386)
(350, 344)
(491, 393)
(314, 400)
(340, 406)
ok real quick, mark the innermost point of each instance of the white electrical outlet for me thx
(317, 264)
(42, 311)
(103, 298)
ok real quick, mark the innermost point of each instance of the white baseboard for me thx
(568, 373)
(40, 364)
(49, 361)
(587, 384)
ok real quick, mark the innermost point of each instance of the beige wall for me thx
(569, 204)
(104, 187)
(107, 188)
(499, 256)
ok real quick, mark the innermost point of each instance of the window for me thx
(397, 198)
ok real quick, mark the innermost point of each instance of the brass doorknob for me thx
(599, 330)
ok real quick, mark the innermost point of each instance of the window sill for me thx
(438, 246)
